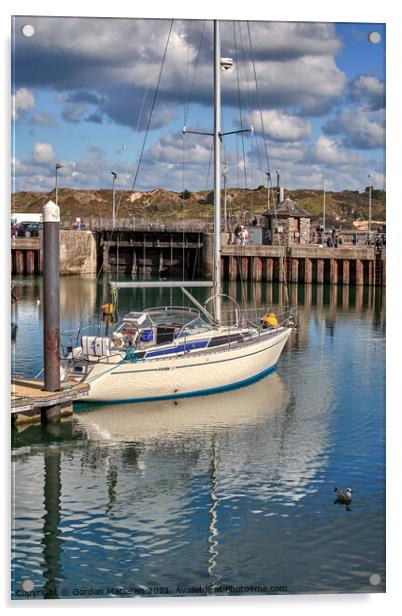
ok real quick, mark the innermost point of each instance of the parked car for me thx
(28, 229)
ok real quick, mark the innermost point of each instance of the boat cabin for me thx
(158, 326)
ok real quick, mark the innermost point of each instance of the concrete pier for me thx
(359, 273)
(294, 268)
(77, 253)
(333, 271)
(19, 262)
(269, 269)
(320, 271)
(208, 256)
(232, 268)
(244, 268)
(308, 270)
(151, 253)
(30, 262)
(345, 271)
(257, 269)
(308, 264)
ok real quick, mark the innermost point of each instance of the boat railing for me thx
(285, 315)
(70, 337)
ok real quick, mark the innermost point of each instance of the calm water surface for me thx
(228, 493)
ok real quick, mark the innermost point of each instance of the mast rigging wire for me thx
(240, 106)
(189, 93)
(137, 129)
(258, 97)
(152, 105)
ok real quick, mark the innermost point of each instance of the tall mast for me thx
(217, 173)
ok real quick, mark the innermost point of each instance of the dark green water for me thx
(227, 494)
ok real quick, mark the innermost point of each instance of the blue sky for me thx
(83, 88)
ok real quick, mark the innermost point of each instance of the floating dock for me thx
(29, 399)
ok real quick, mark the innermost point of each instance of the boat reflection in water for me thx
(267, 446)
(161, 490)
(244, 446)
(197, 424)
(171, 418)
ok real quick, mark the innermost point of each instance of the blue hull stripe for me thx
(191, 394)
(180, 348)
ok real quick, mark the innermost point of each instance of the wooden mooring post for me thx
(51, 311)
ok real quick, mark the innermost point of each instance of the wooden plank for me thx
(27, 395)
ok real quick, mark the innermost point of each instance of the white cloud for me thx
(280, 126)
(302, 166)
(73, 112)
(326, 151)
(22, 102)
(361, 129)
(369, 90)
(42, 119)
(288, 39)
(118, 60)
(369, 85)
(43, 154)
(169, 149)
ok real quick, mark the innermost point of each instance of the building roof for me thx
(287, 207)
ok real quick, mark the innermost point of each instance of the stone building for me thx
(290, 225)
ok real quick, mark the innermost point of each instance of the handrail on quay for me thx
(101, 223)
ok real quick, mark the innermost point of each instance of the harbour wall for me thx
(305, 264)
(78, 253)
(190, 255)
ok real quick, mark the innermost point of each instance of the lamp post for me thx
(224, 175)
(268, 174)
(114, 175)
(58, 166)
(278, 186)
(370, 176)
(323, 212)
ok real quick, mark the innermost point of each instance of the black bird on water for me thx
(343, 496)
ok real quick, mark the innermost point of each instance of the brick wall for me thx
(294, 231)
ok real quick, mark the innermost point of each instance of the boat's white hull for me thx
(188, 375)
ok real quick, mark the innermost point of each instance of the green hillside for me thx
(341, 207)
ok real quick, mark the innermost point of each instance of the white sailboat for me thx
(177, 352)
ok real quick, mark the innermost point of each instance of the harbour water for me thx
(227, 494)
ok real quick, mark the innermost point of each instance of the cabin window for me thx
(165, 334)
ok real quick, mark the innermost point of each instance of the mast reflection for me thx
(213, 522)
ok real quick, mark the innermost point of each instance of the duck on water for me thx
(343, 496)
